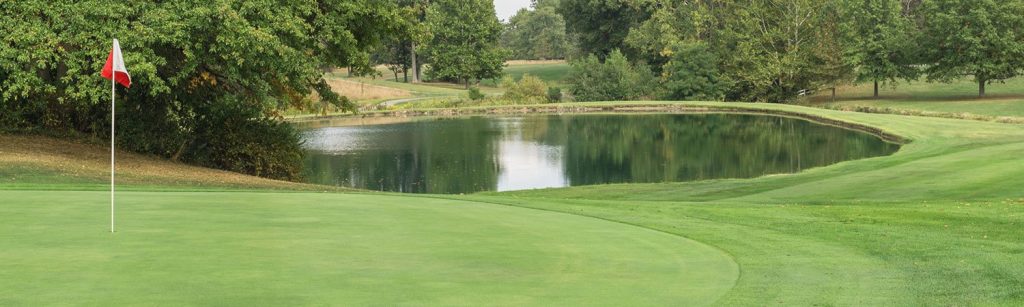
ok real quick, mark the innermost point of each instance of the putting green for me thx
(235, 248)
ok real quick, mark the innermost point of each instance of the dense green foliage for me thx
(882, 42)
(555, 94)
(464, 44)
(777, 51)
(979, 38)
(693, 75)
(601, 26)
(537, 34)
(615, 78)
(208, 75)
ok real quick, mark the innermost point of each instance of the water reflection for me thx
(474, 154)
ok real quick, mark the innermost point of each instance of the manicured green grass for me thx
(245, 249)
(941, 222)
(1003, 99)
(552, 73)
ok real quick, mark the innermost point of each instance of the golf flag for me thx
(114, 69)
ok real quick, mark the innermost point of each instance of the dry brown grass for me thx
(362, 91)
(75, 162)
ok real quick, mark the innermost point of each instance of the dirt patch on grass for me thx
(29, 159)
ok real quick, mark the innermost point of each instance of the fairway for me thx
(238, 248)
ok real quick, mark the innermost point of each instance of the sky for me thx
(507, 8)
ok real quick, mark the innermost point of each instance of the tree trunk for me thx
(833, 94)
(396, 76)
(405, 74)
(467, 83)
(876, 88)
(981, 87)
(415, 65)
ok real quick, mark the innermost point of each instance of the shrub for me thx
(692, 74)
(615, 78)
(475, 94)
(528, 89)
(554, 94)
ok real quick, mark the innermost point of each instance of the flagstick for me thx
(113, 87)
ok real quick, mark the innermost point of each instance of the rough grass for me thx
(359, 91)
(38, 162)
(960, 98)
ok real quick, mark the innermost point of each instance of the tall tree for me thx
(881, 41)
(536, 34)
(979, 38)
(464, 44)
(396, 55)
(209, 76)
(775, 50)
(671, 24)
(600, 26)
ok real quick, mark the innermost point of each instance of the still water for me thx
(472, 154)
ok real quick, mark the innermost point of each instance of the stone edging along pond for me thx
(592, 108)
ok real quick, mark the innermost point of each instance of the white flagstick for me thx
(113, 87)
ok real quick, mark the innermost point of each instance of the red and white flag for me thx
(114, 69)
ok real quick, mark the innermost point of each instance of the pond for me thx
(473, 154)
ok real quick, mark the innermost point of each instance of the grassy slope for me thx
(938, 223)
(1004, 99)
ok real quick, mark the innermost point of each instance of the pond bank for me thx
(381, 117)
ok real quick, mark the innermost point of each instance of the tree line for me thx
(776, 50)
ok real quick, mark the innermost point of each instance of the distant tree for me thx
(464, 44)
(979, 38)
(882, 41)
(692, 74)
(396, 56)
(536, 34)
(615, 78)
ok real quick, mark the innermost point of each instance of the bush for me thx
(528, 89)
(591, 79)
(554, 94)
(692, 74)
(475, 94)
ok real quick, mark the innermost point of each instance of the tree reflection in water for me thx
(473, 154)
